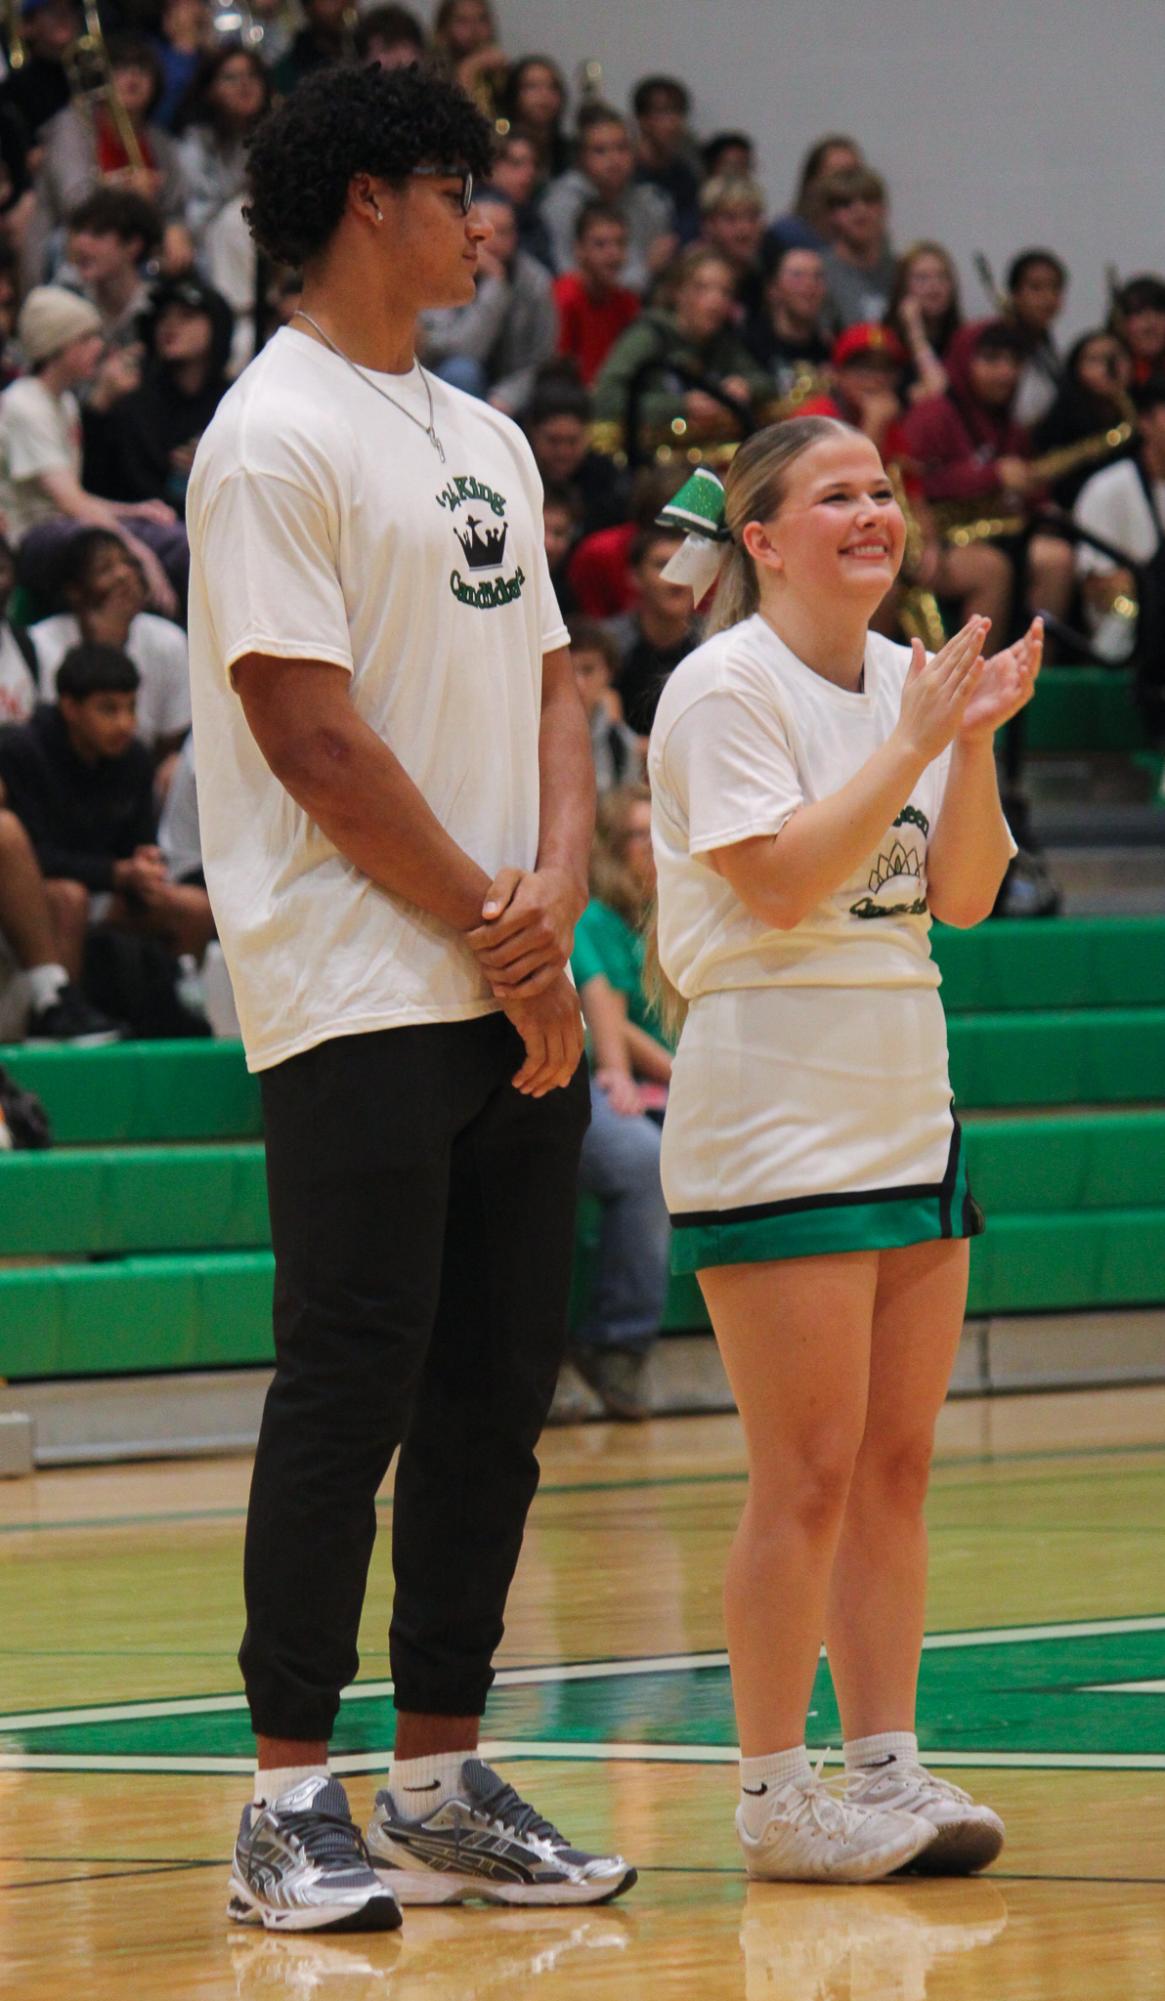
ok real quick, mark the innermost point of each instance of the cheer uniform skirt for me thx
(804, 1120)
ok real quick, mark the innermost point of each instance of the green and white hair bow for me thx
(698, 509)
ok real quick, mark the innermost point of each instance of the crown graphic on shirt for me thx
(482, 551)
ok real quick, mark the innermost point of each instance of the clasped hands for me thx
(522, 944)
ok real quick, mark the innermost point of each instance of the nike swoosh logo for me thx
(876, 1764)
(434, 1786)
(755, 1791)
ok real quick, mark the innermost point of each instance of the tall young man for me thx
(396, 799)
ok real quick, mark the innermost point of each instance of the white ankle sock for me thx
(44, 984)
(760, 1776)
(272, 1784)
(420, 1785)
(889, 1747)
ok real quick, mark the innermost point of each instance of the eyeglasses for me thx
(461, 174)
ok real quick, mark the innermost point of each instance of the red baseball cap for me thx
(868, 338)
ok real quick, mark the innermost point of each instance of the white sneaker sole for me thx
(440, 1886)
(377, 1914)
(869, 1867)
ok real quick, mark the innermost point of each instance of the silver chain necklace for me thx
(429, 429)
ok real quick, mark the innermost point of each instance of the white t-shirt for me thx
(744, 734)
(1112, 504)
(323, 526)
(39, 433)
(158, 650)
(18, 690)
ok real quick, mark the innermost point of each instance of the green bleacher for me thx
(140, 1242)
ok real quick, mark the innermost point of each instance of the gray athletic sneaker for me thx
(487, 1842)
(301, 1865)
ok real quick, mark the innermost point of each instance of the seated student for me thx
(731, 153)
(1138, 316)
(36, 926)
(732, 223)
(694, 334)
(1036, 284)
(492, 347)
(391, 37)
(593, 307)
(1125, 505)
(859, 262)
(594, 656)
(788, 338)
(102, 587)
(83, 786)
(604, 171)
(229, 95)
(186, 32)
(1093, 399)
(805, 226)
(657, 633)
(557, 422)
(666, 153)
(19, 662)
(141, 445)
(39, 87)
(41, 495)
(322, 40)
(515, 173)
(465, 47)
(630, 1070)
(599, 569)
(867, 364)
(534, 99)
(110, 236)
(967, 446)
(83, 147)
(561, 520)
(925, 313)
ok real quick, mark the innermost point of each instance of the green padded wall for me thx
(1071, 962)
(142, 1091)
(1086, 709)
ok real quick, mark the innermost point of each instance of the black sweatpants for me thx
(422, 1215)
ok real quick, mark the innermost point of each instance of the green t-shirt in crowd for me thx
(604, 943)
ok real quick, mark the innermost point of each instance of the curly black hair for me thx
(344, 121)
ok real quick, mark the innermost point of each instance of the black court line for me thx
(122, 1875)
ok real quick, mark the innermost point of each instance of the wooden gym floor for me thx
(124, 1749)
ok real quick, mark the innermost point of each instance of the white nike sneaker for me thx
(814, 1835)
(967, 1836)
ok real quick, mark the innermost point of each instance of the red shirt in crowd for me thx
(587, 327)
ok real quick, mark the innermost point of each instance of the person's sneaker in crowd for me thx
(618, 1377)
(813, 1835)
(68, 1017)
(490, 1843)
(967, 1837)
(302, 1865)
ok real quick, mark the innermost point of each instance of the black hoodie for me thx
(128, 448)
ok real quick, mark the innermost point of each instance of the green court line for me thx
(663, 1480)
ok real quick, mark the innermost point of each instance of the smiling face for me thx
(838, 530)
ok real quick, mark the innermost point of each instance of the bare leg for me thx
(982, 578)
(69, 902)
(26, 916)
(878, 1588)
(795, 1338)
(1050, 575)
(277, 1753)
(422, 1736)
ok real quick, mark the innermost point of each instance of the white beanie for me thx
(50, 318)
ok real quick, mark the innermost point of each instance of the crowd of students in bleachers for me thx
(637, 306)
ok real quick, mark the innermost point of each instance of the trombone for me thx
(91, 82)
